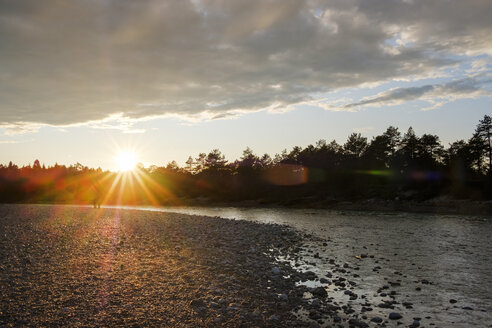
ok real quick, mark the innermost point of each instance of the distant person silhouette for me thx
(97, 198)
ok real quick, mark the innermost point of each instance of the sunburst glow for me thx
(126, 160)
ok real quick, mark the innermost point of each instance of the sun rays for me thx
(135, 186)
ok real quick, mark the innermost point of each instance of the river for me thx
(439, 266)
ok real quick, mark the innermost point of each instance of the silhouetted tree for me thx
(189, 164)
(483, 133)
(409, 144)
(279, 158)
(200, 163)
(266, 161)
(249, 159)
(430, 151)
(477, 153)
(215, 160)
(355, 145)
(382, 149)
(393, 138)
(172, 166)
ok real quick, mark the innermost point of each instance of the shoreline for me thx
(435, 206)
(432, 206)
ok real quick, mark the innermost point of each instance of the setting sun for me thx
(126, 161)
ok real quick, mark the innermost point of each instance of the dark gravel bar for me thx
(84, 267)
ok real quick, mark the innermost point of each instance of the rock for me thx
(467, 308)
(377, 319)
(358, 323)
(415, 324)
(385, 305)
(276, 270)
(452, 301)
(274, 318)
(196, 303)
(394, 316)
(199, 306)
(314, 315)
(283, 297)
(319, 292)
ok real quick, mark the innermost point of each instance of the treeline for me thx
(393, 165)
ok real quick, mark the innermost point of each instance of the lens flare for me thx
(126, 161)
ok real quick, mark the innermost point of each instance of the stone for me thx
(196, 303)
(394, 316)
(358, 323)
(283, 297)
(319, 292)
(377, 319)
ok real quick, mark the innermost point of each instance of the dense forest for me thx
(393, 165)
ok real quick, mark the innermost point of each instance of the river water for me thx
(427, 260)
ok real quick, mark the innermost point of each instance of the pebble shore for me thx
(84, 267)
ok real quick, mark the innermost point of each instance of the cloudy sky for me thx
(81, 79)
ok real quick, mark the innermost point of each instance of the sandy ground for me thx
(70, 266)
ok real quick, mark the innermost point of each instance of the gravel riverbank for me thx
(68, 266)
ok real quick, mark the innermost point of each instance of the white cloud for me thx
(85, 61)
(11, 129)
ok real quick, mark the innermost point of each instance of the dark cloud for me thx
(68, 62)
(464, 88)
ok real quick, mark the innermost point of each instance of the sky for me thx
(81, 81)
